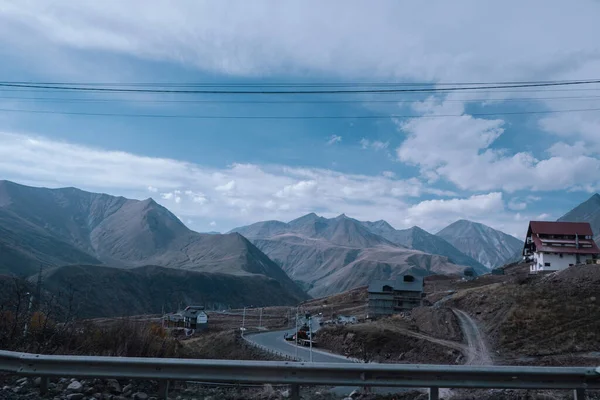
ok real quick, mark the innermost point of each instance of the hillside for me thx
(419, 239)
(588, 211)
(330, 256)
(57, 227)
(105, 292)
(488, 246)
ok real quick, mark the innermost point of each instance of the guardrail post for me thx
(163, 389)
(44, 385)
(434, 393)
(579, 394)
(295, 394)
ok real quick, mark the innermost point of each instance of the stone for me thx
(63, 380)
(75, 387)
(89, 391)
(75, 396)
(18, 389)
(119, 398)
(152, 398)
(354, 394)
(107, 396)
(128, 389)
(6, 388)
(22, 381)
(140, 396)
(37, 382)
(113, 386)
(97, 396)
(285, 394)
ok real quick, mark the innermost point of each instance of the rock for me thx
(347, 398)
(354, 394)
(113, 386)
(6, 388)
(75, 396)
(140, 396)
(127, 390)
(19, 389)
(119, 398)
(37, 382)
(63, 380)
(75, 387)
(97, 396)
(22, 381)
(152, 398)
(89, 391)
(285, 394)
(107, 396)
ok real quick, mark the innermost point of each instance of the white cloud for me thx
(516, 205)
(213, 223)
(152, 189)
(388, 174)
(177, 199)
(333, 139)
(300, 189)
(459, 149)
(226, 188)
(255, 38)
(374, 145)
(543, 217)
(167, 196)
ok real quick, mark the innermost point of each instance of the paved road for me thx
(276, 342)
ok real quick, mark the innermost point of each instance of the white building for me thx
(552, 246)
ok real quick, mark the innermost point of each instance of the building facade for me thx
(553, 246)
(391, 297)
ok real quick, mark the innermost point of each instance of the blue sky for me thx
(216, 174)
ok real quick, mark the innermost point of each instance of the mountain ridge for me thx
(489, 246)
(68, 226)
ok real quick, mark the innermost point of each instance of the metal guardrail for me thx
(433, 377)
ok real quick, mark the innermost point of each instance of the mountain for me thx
(57, 227)
(488, 246)
(100, 291)
(419, 239)
(588, 211)
(328, 256)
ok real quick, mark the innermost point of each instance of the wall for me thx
(556, 261)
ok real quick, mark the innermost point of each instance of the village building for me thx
(192, 317)
(553, 246)
(391, 297)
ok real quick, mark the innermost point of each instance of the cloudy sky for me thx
(480, 155)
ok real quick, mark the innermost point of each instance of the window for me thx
(388, 288)
(409, 278)
(546, 264)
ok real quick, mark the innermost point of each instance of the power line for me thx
(295, 84)
(287, 117)
(294, 92)
(92, 100)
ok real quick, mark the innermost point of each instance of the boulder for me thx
(75, 396)
(140, 396)
(75, 387)
(113, 386)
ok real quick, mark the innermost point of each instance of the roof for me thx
(539, 247)
(399, 284)
(560, 228)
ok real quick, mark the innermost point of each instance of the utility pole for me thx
(296, 333)
(243, 321)
(28, 313)
(260, 319)
(310, 336)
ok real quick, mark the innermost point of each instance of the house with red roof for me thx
(552, 246)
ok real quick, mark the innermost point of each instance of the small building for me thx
(194, 317)
(553, 246)
(344, 319)
(391, 297)
(469, 273)
(498, 271)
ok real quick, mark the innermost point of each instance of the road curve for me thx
(276, 342)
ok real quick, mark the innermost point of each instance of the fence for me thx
(296, 374)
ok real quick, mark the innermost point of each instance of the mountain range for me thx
(489, 246)
(66, 227)
(330, 255)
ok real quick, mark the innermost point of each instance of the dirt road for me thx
(477, 351)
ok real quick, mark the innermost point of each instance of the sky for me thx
(423, 159)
